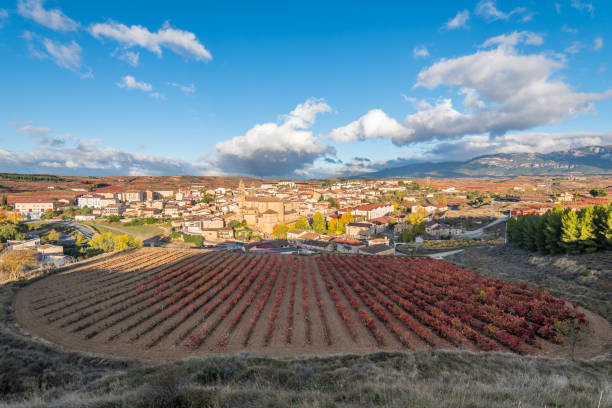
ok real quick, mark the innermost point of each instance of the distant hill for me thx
(589, 160)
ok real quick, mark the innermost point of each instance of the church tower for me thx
(241, 194)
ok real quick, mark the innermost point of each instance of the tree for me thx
(280, 231)
(552, 230)
(570, 232)
(53, 236)
(107, 242)
(3, 202)
(113, 218)
(332, 225)
(10, 231)
(598, 192)
(318, 223)
(587, 236)
(13, 263)
(572, 331)
(79, 240)
(344, 219)
(603, 226)
(302, 224)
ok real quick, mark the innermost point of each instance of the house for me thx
(379, 249)
(358, 229)
(33, 209)
(19, 245)
(113, 210)
(84, 217)
(131, 196)
(314, 245)
(369, 211)
(89, 200)
(378, 241)
(171, 211)
(348, 245)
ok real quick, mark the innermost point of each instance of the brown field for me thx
(164, 304)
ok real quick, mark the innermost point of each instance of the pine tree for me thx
(570, 232)
(603, 226)
(552, 230)
(539, 237)
(587, 236)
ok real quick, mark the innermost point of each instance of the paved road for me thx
(478, 232)
(85, 230)
(441, 255)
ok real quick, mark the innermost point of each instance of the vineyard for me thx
(163, 303)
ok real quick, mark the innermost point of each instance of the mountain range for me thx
(590, 160)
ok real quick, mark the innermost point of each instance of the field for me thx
(161, 303)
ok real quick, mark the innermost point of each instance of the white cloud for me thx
(374, 124)
(579, 5)
(567, 29)
(574, 48)
(502, 90)
(488, 10)
(66, 55)
(181, 42)
(33, 131)
(53, 19)
(459, 21)
(157, 95)
(186, 89)
(420, 52)
(74, 157)
(598, 43)
(129, 82)
(272, 149)
(558, 8)
(513, 39)
(130, 57)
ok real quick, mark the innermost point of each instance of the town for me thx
(424, 216)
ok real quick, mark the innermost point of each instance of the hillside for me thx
(589, 160)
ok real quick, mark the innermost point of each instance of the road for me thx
(441, 255)
(85, 230)
(478, 232)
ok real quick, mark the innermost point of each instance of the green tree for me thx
(10, 231)
(103, 242)
(552, 230)
(598, 192)
(318, 223)
(570, 232)
(603, 226)
(587, 236)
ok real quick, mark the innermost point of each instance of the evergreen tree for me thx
(587, 236)
(570, 232)
(539, 236)
(603, 226)
(552, 230)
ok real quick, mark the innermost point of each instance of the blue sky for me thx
(95, 88)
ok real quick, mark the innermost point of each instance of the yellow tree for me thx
(344, 219)
(280, 231)
(13, 263)
(332, 225)
(53, 236)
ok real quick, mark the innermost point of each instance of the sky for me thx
(310, 90)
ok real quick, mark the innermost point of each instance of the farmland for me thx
(161, 303)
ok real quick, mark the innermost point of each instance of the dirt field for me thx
(166, 304)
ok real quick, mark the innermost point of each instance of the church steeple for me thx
(241, 194)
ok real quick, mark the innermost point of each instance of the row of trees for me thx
(564, 230)
(108, 242)
(319, 225)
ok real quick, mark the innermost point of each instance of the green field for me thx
(143, 232)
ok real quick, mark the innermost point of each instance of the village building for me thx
(34, 209)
